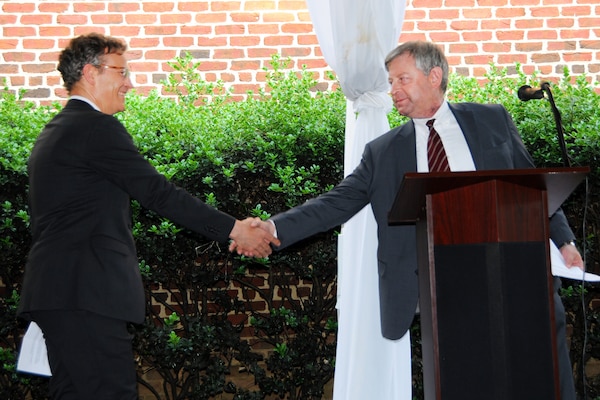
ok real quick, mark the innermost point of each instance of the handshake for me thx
(253, 237)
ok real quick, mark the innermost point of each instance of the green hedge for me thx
(280, 147)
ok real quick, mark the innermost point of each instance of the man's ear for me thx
(89, 74)
(435, 76)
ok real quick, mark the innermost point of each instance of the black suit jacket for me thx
(83, 171)
(494, 143)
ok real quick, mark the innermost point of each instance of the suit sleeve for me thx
(114, 155)
(328, 210)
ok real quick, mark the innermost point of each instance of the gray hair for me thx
(427, 56)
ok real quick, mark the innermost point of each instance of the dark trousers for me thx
(90, 356)
(565, 370)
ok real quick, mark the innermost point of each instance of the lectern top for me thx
(410, 199)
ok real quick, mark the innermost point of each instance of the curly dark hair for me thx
(85, 49)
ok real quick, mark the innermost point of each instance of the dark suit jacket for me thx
(83, 171)
(494, 143)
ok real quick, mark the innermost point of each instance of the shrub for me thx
(208, 310)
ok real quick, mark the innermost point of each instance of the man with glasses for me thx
(82, 284)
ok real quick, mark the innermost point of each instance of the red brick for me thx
(19, 31)
(50, 56)
(524, 2)
(510, 35)
(160, 30)
(19, 56)
(243, 88)
(574, 34)
(230, 30)
(212, 42)
(259, 29)
(444, 14)
(72, 19)
(17, 80)
(279, 40)
(36, 19)
(244, 40)
(544, 58)
(529, 24)
(123, 7)
(307, 40)
(304, 17)
(160, 54)
(278, 17)
(141, 19)
(8, 44)
(157, 7)
(18, 8)
(432, 25)
(38, 43)
(245, 65)
(262, 52)
(577, 57)
(211, 18)
(260, 5)
(427, 4)
(477, 36)
(295, 52)
(512, 58)
(478, 13)
(56, 31)
(545, 12)
(7, 19)
(107, 19)
(178, 41)
(464, 25)
(193, 6)
(143, 42)
(463, 48)
(8, 68)
(296, 28)
(196, 30)
(496, 47)
(144, 66)
(293, 5)
(529, 47)
(124, 31)
(245, 17)
(213, 66)
(39, 68)
(174, 19)
(53, 7)
(510, 12)
(541, 35)
(228, 54)
(576, 10)
(91, 6)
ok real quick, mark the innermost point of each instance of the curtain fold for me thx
(355, 36)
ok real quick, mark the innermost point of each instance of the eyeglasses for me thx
(122, 70)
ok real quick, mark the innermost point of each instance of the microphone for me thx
(527, 93)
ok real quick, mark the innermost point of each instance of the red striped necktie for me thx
(436, 155)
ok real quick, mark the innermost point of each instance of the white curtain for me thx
(355, 36)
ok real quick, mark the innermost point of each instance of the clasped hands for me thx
(253, 237)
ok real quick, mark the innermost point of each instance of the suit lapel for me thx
(466, 121)
(407, 147)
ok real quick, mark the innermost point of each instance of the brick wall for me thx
(234, 40)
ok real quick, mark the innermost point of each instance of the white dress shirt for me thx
(455, 144)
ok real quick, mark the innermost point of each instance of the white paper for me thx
(560, 269)
(33, 357)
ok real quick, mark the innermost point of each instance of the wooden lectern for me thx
(486, 290)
